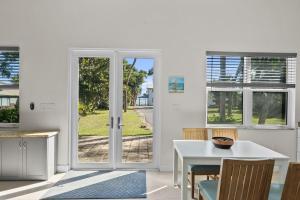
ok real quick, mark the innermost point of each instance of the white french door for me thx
(114, 110)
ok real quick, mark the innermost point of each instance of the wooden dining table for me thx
(203, 152)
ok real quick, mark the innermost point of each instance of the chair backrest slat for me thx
(195, 134)
(225, 132)
(291, 189)
(245, 179)
(240, 182)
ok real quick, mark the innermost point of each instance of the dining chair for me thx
(291, 188)
(198, 170)
(225, 132)
(240, 180)
(195, 134)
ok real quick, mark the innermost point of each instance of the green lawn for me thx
(214, 116)
(270, 121)
(95, 124)
(237, 117)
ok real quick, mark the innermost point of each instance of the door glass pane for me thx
(224, 107)
(93, 108)
(269, 108)
(138, 109)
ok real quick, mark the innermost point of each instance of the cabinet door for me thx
(34, 158)
(11, 158)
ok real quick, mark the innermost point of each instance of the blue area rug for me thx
(99, 185)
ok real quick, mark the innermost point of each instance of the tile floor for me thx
(159, 187)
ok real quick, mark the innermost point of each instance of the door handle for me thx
(119, 123)
(111, 124)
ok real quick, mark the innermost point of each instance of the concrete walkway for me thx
(147, 113)
(95, 149)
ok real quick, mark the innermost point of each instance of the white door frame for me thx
(75, 55)
(116, 84)
(152, 54)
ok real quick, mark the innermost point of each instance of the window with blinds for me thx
(9, 86)
(258, 70)
(251, 89)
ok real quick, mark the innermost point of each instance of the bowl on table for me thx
(222, 142)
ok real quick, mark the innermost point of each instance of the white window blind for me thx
(256, 70)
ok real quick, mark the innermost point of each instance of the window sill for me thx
(249, 127)
(9, 127)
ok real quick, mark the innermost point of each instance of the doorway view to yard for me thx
(95, 116)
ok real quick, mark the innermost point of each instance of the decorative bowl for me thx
(222, 142)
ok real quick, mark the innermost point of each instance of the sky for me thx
(144, 64)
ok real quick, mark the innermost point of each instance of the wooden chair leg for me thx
(193, 184)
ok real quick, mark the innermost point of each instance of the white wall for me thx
(183, 29)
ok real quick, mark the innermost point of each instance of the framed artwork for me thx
(176, 84)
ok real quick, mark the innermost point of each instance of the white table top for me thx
(240, 149)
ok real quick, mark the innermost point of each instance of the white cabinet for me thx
(27, 158)
(11, 158)
(34, 157)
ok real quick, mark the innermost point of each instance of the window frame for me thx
(248, 107)
(13, 125)
(210, 89)
(248, 102)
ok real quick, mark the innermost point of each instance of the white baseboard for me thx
(62, 168)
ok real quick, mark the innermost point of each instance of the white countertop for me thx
(31, 134)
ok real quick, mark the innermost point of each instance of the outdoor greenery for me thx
(94, 84)
(9, 115)
(9, 74)
(268, 107)
(94, 97)
(132, 82)
(95, 124)
(232, 108)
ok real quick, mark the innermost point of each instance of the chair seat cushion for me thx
(208, 189)
(213, 169)
(275, 191)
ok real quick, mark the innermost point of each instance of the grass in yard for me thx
(237, 118)
(213, 117)
(270, 121)
(95, 124)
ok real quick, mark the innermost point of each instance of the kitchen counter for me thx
(28, 155)
(27, 134)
